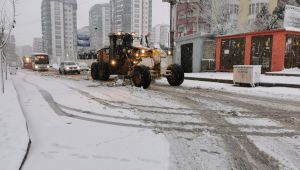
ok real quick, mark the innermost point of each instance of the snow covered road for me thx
(104, 125)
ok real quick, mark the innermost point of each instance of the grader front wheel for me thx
(141, 77)
(176, 76)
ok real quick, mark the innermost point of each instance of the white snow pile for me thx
(271, 92)
(288, 71)
(55, 66)
(13, 133)
(284, 149)
(263, 78)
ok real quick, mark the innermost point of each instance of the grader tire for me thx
(177, 75)
(94, 71)
(141, 77)
(103, 71)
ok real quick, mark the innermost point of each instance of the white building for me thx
(100, 25)
(131, 16)
(160, 35)
(59, 29)
(38, 45)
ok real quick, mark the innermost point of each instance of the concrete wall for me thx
(197, 40)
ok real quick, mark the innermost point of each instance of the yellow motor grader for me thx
(139, 63)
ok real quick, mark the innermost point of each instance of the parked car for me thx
(68, 67)
(83, 66)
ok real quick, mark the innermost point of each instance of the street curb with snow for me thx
(282, 74)
(264, 84)
(14, 141)
(26, 154)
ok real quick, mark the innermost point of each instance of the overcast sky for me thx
(29, 17)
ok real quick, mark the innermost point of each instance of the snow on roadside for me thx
(265, 130)
(285, 149)
(60, 142)
(288, 71)
(206, 149)
(263, 78)
(13, 132)
(252, 121)
(272, 92)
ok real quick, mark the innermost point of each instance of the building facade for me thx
(100, 25)
(250, 8)
(38, 45)
(194, 17)
(160, 35)
(131, 16)
(59, 29)
(189, 17)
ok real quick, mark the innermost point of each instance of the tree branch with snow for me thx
(218, 15)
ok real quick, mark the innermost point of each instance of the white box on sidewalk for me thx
(246, 74)
(13, 70)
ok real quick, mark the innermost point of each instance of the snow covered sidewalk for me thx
(286, 72)
(290, 80)
(70, 131)
(14, 137)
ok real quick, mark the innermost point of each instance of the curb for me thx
(27, 129)
(282, 74)
(264, 84)
(26, 154)
(209, 79)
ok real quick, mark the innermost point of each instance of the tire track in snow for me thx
(260, 107)
(244, 154)
(220, 127)
(158, 125)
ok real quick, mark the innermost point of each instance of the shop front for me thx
(273, 50)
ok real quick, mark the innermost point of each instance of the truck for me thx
(136, 62)
(27, 62)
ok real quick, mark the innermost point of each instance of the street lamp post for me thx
(172, 32)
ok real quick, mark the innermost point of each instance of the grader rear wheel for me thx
(94, 71)
(103, 71)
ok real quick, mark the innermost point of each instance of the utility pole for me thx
(172, 32)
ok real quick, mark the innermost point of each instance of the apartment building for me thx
(131, 16)
(59, 29)
(99, 25)
(38, 45)
(160, 35)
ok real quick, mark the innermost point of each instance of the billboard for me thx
(83, 40)
(292, 18)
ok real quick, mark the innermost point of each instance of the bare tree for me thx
(7, 23)
(218, 14)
